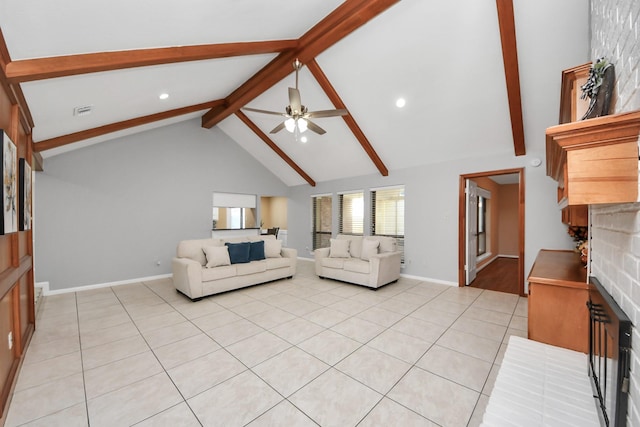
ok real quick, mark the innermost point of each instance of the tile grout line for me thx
(291, 345)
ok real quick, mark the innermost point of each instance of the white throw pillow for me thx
(216, 256)
(272, 248)
(369, 248)
(339, 248)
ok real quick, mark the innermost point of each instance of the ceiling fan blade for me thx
(255, 110)
(277, 128)
(327, 113)
(294, 100)
(315, 128)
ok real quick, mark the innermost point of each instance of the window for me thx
(387, 214)
(482, 226)
(321, 221)
(233, 218)
(351, 213)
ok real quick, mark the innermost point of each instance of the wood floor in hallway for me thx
(500, 275)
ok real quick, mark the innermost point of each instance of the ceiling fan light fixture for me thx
(302, 125)
(290, 124)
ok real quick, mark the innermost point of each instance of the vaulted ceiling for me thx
(456, 63)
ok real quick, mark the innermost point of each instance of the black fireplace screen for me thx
(609, 355)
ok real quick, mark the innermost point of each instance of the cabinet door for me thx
(558, 316)
(576, 215)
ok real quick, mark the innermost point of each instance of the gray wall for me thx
(110, 211)
(431, 212)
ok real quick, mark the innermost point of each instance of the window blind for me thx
(321, 221)
(387, 214)
(351, 213)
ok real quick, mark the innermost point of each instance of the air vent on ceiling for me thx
(83, 111)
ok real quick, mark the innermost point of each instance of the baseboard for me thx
(306, 259)
(46, 291)
(428, 279)
(487, 263)
(44, 286)
(508, 256)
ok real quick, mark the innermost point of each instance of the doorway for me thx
(495, 270)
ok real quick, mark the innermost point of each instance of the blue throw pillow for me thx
(256, 252)
(238, 252)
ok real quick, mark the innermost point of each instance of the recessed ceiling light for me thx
(163, 96)
(304, 139)
(401, 102)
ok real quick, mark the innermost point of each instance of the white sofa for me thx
(193, 278)
(371, 261)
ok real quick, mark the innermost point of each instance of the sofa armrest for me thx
(187, 277)
(321, 253)
(292, 254)
(385, 268)
(289, 253)
(318, 254)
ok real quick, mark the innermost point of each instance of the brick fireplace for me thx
(615, 229)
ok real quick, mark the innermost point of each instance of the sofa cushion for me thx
(355, 247)
(251, 268)
(339, 248)
(239, 252)
(273, 263)
(357, 266)
(387, 244)
(369, 248)
(256, 250)
(235, 239)
(333, 262)
(216, 256)
(272, 248)
(218, 273)
(192, 249)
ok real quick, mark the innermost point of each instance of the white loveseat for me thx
(371, 261)
(201, 269)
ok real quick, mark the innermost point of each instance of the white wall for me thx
(109, 212)
(615, 229)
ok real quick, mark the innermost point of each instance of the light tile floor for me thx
(299, 352)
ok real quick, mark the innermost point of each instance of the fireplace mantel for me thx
(595, 160)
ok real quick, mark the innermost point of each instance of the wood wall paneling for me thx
(7, 357)
(17, 311)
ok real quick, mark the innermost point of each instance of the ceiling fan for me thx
(297, 115)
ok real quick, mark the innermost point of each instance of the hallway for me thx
(500, 275)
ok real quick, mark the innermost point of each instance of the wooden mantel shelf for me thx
(596, 160)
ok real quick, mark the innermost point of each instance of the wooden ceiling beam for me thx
(13, 90)
(349, 120)
(507, 25)
(345, 19)
(46, 68)
(274, 147)
(60, 141)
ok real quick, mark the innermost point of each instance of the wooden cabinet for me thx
(558, 294)
(595, 160)
(577, 215)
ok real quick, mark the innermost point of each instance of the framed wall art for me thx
(25, 195)
(572, 106)
(9, 173)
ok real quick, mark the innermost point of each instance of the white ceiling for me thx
(509, 178)
(443, 57)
